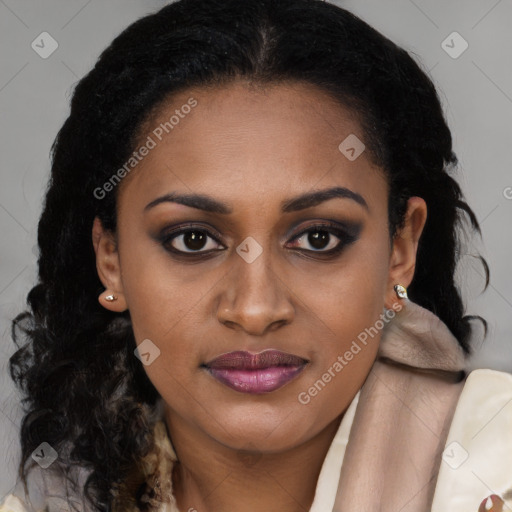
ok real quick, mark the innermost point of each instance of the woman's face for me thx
(248, 268)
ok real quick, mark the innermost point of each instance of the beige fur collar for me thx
(151, 479)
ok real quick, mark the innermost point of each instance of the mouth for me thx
(255, 373)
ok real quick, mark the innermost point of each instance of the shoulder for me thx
(502, 380)
(477, 459)
(13, 504)
(47, 490)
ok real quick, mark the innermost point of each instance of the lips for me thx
(255, 373)
(246, 361)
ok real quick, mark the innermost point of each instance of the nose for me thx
(255, 298)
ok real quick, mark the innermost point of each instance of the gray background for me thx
(476, 90)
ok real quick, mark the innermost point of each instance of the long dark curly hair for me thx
(85, 392)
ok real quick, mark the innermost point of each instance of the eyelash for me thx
(331, 228)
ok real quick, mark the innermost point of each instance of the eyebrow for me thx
(307, 200)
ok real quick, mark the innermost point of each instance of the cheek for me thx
(160, 305)
(341, 366)
(159, 294)
(351, 305)
(350, 296)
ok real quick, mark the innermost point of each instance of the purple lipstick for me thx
(255, 373)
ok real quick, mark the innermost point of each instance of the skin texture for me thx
(253, 148)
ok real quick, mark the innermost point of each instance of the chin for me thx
(268, 428)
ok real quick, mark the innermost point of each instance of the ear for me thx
(405, 244)
(108, 267)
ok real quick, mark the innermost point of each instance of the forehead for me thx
(244, 143)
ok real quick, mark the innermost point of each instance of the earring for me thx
(111, 298)
(400, 291)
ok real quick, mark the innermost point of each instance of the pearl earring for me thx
(111, 298)
(400, 291)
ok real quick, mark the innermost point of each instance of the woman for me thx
(246, 297)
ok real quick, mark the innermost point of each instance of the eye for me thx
(327, 239)
(192, 240)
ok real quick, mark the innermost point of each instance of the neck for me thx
(211, 477)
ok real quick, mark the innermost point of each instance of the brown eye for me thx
(319, 240)
(190, 241)
(325, 239)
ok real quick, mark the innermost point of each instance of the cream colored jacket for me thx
(415, 438)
